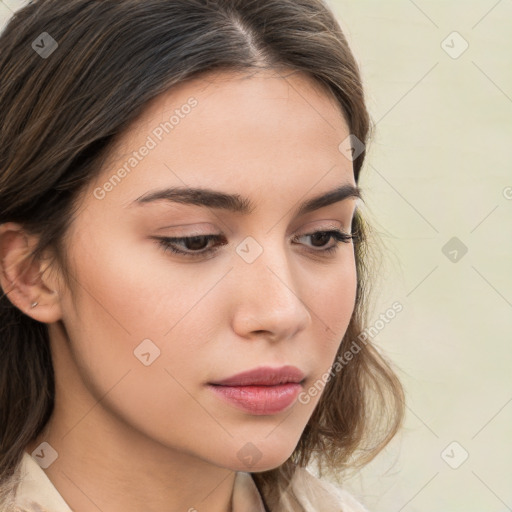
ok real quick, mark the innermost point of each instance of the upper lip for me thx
(263, 376)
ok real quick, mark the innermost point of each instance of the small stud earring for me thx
(34, 304)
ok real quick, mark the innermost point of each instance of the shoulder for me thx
(34, 490)
(316, 494)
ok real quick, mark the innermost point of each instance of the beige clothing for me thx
(36, 493)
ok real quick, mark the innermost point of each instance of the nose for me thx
(267, 298)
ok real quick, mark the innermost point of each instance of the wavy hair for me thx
(59, 118)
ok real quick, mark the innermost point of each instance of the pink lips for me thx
(261, 391)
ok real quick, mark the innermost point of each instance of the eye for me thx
(320, 236)
(194, 245)
(197, 246)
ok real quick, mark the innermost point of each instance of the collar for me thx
(37, 488)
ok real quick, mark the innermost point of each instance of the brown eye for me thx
(196, 243)
(322, 237)
(192, 246)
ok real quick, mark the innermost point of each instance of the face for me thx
(149, 328)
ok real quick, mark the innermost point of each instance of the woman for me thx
(184, 263)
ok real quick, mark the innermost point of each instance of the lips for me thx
(261, 391)
(263, 376)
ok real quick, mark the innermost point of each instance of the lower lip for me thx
(260, 399)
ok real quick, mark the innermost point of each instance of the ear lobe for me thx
(20, 276)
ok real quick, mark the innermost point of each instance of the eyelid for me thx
(191, 231)
(329, 225)
(322, 226)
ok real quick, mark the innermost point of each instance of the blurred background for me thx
(438, 190)
(438, 183)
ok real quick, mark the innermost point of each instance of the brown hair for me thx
(59, 118)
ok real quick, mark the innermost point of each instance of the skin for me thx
(132, 437)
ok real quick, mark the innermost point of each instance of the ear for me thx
(22, 280)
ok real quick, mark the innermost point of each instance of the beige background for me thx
(439, 167)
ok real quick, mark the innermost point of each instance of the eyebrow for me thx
(238, 204)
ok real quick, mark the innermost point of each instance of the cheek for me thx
(332, 298)
(133, 289)
(332, 304)
(127, 314)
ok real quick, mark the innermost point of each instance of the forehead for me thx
(244, 91)
(226, 130)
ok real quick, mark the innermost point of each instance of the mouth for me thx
(261, 391)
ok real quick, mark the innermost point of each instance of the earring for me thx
(34, 304)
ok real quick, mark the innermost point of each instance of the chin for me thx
(253, 460)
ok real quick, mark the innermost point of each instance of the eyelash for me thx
(168, 243)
